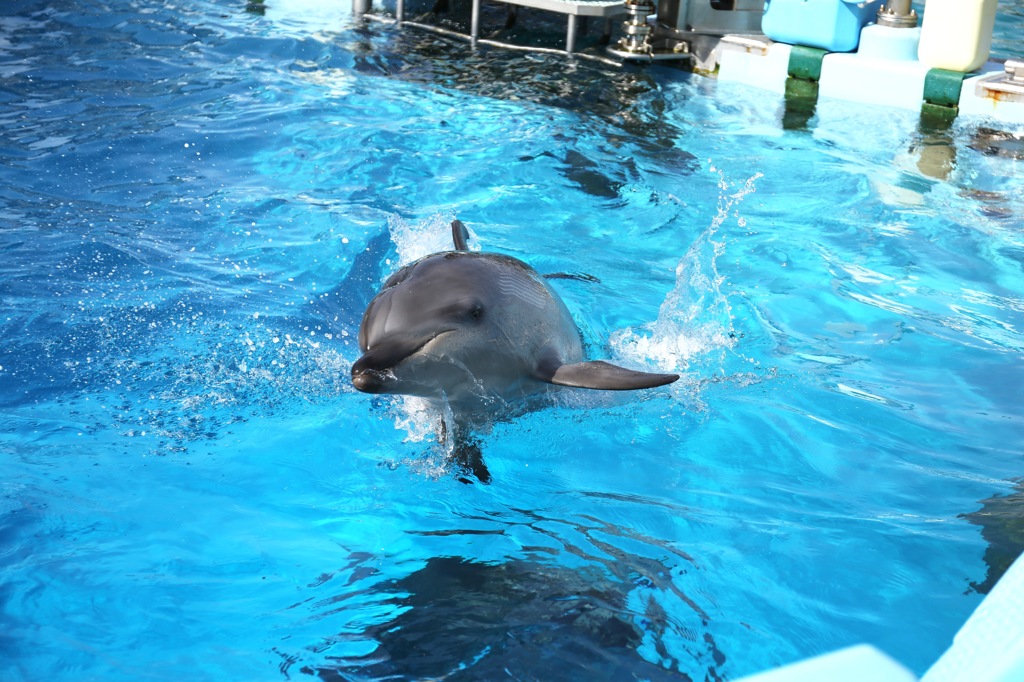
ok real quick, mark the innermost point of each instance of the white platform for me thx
(874, 78)
(754, 61)
(988, 648)
(990, 645)
(857, 664)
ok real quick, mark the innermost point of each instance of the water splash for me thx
(420, 421)
(415, 240)
(696, 317)
(418, 418)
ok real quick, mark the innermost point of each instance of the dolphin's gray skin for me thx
(479, 331)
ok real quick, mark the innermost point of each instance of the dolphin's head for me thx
(418, 332)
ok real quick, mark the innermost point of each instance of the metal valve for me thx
(897, 14)
(636, 28)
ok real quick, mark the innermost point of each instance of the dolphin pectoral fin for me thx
(460, 236)
(598, 374)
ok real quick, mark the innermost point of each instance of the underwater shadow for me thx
(1002, 526)
(465, 620)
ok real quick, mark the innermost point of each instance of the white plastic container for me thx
(956, 34)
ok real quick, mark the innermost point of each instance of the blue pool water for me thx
(198, 201)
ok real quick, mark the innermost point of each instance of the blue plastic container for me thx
(832, 25)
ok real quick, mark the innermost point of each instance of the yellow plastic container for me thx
(956, 34)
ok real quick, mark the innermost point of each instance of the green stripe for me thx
(942, 87)
(805, 63)
(797, 88)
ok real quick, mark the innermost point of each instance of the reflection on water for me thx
(625, 96)
(992, 142)
(1002, 525)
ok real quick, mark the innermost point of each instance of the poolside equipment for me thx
(870, 51)
(957, 34)
(935, 63)
(832, 25)
(885, 69)
(637, 29)
(683, 29)
(603, 9)
(1007, 87)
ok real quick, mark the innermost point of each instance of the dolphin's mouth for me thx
(373, 372)
(371, 380)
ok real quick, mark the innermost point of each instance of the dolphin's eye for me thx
(476, 312)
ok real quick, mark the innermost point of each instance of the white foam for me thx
(416, 240)
(417, 418)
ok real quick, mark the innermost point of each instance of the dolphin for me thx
(480, 333)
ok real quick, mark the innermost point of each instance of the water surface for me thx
(198, 202)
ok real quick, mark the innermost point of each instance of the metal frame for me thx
(574, 9)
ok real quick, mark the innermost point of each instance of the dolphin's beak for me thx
(372, 372)
(368, 380)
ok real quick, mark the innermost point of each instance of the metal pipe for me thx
(897, 14)
(636, 27)
(448, 33)
(474, 26)
(361, 7)
(900, 7)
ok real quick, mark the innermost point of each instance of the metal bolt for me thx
(636, 27)
(897, 14)
(1014, 70)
